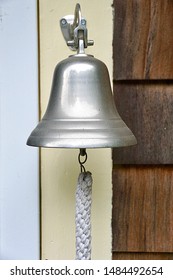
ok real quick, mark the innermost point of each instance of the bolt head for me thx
(83, 22)
(63, 21)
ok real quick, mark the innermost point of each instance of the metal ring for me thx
(84, 160)
(82, 153)
(77, 16)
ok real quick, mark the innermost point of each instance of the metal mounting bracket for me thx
(74, 28)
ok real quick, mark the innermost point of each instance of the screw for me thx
(63, 21)
(83, 22)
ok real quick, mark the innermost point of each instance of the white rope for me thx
(83, 216)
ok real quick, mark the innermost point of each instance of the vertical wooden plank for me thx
(143, 209)
(59, 167)
(143, 39)
(147, 108)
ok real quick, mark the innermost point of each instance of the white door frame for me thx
(19, 164)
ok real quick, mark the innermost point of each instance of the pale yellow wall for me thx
(59, 167)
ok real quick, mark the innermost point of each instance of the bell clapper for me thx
(82, 153)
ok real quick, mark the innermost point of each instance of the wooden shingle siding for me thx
(147, 108)
(143, 209)
(143, 39)
(142, 215)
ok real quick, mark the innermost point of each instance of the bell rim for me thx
(90, 143)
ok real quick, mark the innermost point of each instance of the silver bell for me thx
(81, 111)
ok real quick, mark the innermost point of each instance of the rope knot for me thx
(85, 178)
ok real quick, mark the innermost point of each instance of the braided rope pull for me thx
(83, 216)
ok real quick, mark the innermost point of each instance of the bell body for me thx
(81, 111)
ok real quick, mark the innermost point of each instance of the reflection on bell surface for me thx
(81, 111)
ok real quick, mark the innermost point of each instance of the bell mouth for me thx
(80, 143)
(81, 134)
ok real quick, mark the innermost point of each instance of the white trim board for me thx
(19, 171)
